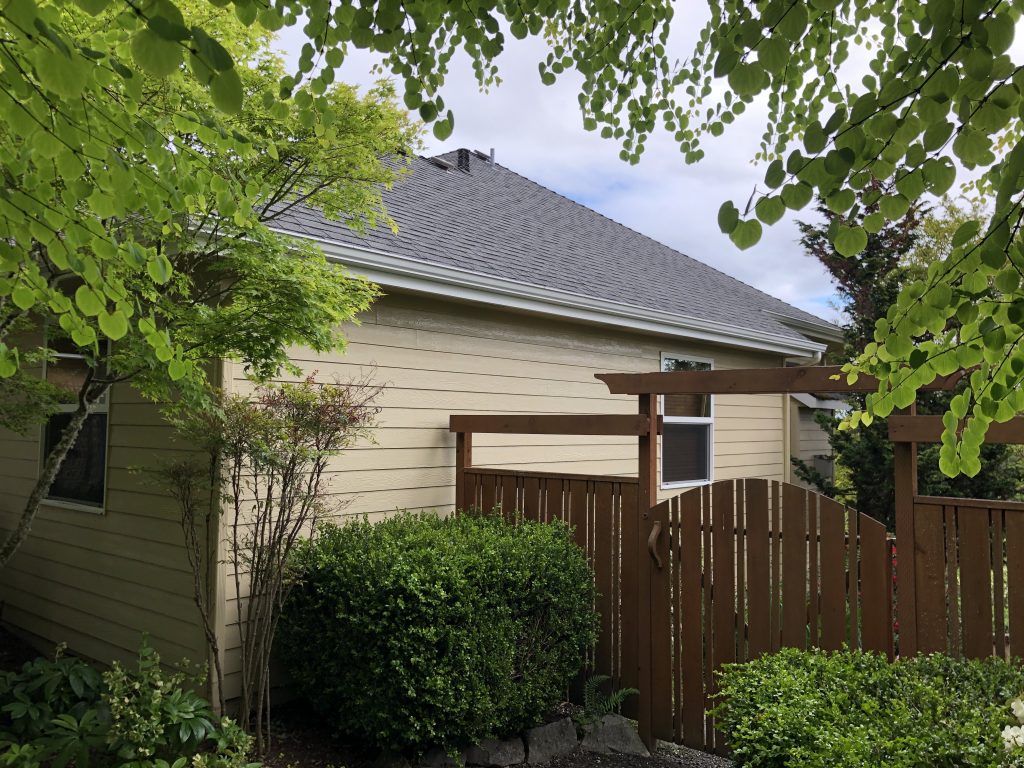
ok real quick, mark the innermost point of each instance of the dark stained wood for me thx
(463, 461)
(647, 490)
(661, 630)
(578, 511)
(794, 566)
(930, 548)
(709, 626)
(603, 562)
(751, 381)
(741, 570)
(813, 586)
(952, 579)
(998, 593)
(1015, 580)
(776, 585)
(531, 498)
(758, 568)
(551, 424)
(971, 504)
(509, 496)
(489, 485)
(905, 467)
(975, 583)
(691, 621)
(876, 576)
(723, 576)
(628, 607)
(833, 574)
(928, 429)
(853, 576)
(497, 472)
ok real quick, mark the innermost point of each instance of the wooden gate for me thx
(742, 568)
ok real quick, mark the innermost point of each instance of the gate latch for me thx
(652, 543)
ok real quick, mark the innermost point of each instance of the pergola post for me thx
(463, 461)
(905, 482)
(647, 470)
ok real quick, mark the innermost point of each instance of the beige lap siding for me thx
(98, 579)
(438, 357)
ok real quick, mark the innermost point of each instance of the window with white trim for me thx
(687, 440)
(81, 480)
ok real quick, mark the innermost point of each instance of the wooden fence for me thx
(969, 576)
(748, 567)
(596, 506)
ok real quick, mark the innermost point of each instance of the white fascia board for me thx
(818, 403)
(822, 330)
(451, 282)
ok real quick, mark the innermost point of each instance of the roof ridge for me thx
(636, 232)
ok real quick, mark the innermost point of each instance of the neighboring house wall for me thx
(437, 358)
(810, 441)
(97, 579)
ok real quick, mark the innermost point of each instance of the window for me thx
(81, 480)
(687, 443)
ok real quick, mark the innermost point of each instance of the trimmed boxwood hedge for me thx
(420, 631)
(850, 709)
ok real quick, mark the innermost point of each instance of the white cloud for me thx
(537, 131)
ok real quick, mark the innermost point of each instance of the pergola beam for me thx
(928, 429)
(750, 381)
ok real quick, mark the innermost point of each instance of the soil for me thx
(14, 652)
(667, 756)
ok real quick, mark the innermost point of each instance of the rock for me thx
(549, 741)
(437, 758)
(497, 754)
(613, 735)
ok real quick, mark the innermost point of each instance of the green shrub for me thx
(421, 631)
(839, 710)
(63, 711)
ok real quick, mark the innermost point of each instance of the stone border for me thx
(612, 734)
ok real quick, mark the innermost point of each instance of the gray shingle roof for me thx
(494, 222)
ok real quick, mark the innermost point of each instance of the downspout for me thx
(787, 415)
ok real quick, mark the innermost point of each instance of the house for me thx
(501, 296)
(808, 441)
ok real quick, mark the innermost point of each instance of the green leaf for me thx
(89, 301)
(775, 175)
(114, 325)
(23, 297)
(443, 128)
(226, 91)
(728, 217)
(797, 196)
(154, 54)
(210, 51)
(794, 22)
(746, 234)
(93, 7)
(176, 369)
(815, 139)
(770, 209)
(849, 241)
(159, 268)
(747, 78)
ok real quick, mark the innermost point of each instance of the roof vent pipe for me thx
(492, 155)
(463, 160)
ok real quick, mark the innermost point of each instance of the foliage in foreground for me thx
(266, 457)
(420, 631)
(64, 711)
(851, 709)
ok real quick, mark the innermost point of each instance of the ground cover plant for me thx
(64, 711)
(420, 632)
(846, 709)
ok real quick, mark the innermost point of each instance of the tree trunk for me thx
(51, 466)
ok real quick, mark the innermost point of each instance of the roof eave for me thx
(409, 274)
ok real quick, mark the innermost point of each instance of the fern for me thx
(597, 704)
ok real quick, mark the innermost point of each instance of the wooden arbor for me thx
(950, 576)
(952, 593)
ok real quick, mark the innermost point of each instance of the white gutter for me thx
(452, 282)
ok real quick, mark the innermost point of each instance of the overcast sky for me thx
(537, 131)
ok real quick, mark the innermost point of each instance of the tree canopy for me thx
(140, 227)
(940, 95)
